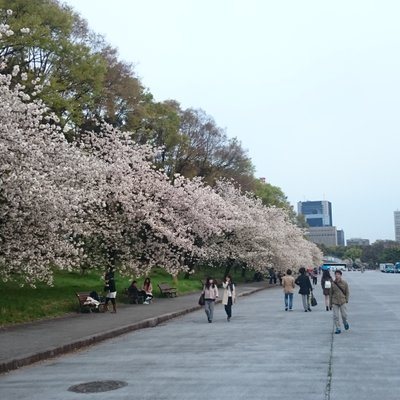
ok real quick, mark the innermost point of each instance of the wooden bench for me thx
(82, 296)
(166, 290)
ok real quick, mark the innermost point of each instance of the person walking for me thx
(339, 297)
(110, 289)
(305, 288)
(229, 296)
(272, 276)
(288, 289)
(280, 276)
(210, 291)
(314, 275)
(326, 283)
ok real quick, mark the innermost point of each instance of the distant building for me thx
(316, 213)
(318, 216)
(340, 237)
(397, 226)
(357, 242)
(326, 235)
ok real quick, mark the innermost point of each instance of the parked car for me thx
(390, 269)
(397, 267)
(387, 267)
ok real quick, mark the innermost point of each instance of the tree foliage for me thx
(205, 150)
(353, 253)
(103, 201)
(85, 81)
(100, 197)
(378, 252)
(58, 49)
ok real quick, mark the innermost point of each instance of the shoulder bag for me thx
(339, 288)
(202, 300)
(313, 300)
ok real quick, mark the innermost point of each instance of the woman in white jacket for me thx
(229, 297)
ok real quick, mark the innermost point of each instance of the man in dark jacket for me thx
(339, 297)
(305, 288)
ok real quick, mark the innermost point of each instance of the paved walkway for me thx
(264, 353)
(27, 343)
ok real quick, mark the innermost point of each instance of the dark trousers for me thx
(228, 307)
(314, 279)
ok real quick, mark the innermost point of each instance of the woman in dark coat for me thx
(326, 283)
(305, 288)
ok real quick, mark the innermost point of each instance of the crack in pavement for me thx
(329, 377)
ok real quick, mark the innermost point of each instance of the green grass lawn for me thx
(24, 304)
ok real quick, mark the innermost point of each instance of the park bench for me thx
(82, 296)
(166, 290)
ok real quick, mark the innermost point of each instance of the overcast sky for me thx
(310, 88)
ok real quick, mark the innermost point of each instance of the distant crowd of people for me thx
(335, 291)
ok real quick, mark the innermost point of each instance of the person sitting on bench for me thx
(148, 289)
(136, 295)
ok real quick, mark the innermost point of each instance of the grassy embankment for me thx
(23, 304)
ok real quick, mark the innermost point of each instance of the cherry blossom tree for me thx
(146, 220)
(44, 181)
(101, 200)
(264, 237)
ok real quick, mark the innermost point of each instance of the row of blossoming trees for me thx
(100, 201)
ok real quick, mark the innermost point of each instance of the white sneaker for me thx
(146, 302)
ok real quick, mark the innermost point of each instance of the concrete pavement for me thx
(263, 353)
(25, 344)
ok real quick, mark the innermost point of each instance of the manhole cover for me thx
(97, 386)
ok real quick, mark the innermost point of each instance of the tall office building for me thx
(326, 235)
(316, 213)
(340, 237)
(397, 226)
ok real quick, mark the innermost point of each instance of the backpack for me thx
(327, 284)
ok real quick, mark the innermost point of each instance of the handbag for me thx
(313, 300)
(202, 300)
